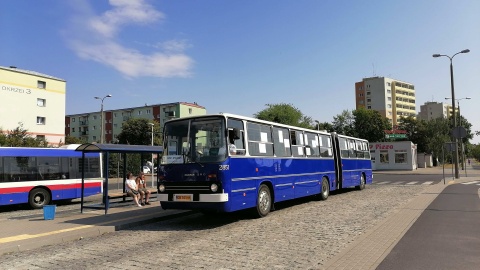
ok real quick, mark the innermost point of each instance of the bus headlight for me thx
(161, 188)
(214, 187)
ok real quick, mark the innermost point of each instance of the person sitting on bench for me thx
(142, 188)
(132, 189)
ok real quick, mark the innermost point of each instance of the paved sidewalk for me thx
(26, 234)
(369, 250)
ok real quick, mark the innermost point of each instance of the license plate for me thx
(183, 197)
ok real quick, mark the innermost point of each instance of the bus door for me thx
(338, 160)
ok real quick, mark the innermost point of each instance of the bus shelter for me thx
(106, 150)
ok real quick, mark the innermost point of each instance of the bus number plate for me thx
(183, 197)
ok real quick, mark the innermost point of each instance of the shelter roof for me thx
(119, 148)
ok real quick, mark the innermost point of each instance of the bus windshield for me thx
(195, 140)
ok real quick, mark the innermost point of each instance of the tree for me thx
(416, 132)
(137, 131)
(73, 140)
(324, 126)
(285, 114)
(344, 123)
(370, 125)
(19, 137)
(475, 151)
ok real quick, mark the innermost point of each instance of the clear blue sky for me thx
(237, 56)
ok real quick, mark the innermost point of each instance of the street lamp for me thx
(460, 124)
(318, 124)
(101, 116)
(453, 105)
(153, 165)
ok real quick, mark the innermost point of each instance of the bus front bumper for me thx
(220, 197)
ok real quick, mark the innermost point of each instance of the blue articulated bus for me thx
(226, 162)
(38, 176)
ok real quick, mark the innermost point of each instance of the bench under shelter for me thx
(106, 150)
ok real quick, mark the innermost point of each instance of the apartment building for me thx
(392, 98)
(87, 126)
(34, 100)
(433, 110)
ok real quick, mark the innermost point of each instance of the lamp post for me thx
(318, 124)
(460, 124)
(101, 116)
(153, 165)
(453, 105)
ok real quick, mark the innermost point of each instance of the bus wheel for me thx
(362, 183)
(325, 192)
(38, 198)
(264, 201)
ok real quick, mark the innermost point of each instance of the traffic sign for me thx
(459, 132)
(395, 136)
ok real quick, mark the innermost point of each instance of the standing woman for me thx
(132, 189)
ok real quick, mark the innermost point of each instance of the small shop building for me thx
(394, 155)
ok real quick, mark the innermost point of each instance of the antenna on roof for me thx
(373, 69)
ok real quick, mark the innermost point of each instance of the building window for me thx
(389, 99)
(388, 84)
(369, 107)
(115, 115)
(149, 111)
(400, 156)
(94, 127)
(389, 105)
(361, 102)
(139, 112)
(41, 102)
(73, 120)
(73, 129)
(41, 84)
(190, 111)
(41, 137)
(389, 91)
(94, 117)
(40, 120)
(383, 156)
(369, 100)
(94, 138)
(372, 155)
(390, 113)
(368, 93)
(114, 125)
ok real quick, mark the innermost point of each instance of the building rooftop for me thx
(29, 72)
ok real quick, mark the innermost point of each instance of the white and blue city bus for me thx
(227, 162)
(38, 176)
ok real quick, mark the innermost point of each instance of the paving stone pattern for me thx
(305, 234)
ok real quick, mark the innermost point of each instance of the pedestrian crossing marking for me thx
(472, 182)
(405, 183)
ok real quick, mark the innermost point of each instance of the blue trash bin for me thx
(49, 212)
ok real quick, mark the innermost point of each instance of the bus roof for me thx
(251, 119)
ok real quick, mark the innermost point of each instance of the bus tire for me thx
(362, 183)
(39, 197)
(264, 201)
(324, 189)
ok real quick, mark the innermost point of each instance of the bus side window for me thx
(281, 142)
(236, 135)
(297, 143)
